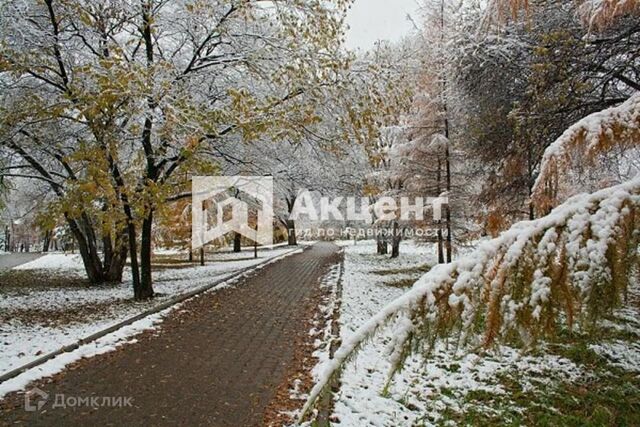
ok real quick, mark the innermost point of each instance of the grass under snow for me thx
(576, 381)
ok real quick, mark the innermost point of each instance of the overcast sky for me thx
(372, 20)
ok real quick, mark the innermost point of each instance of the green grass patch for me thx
(420, 269)
(604, 396)
(23, 280)
(402, 283)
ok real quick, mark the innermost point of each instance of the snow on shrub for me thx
(596, 14)
(565, 270)
(614, 130)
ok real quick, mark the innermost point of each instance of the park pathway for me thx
(217, 361)
(14, 259)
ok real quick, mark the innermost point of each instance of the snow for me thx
(64, 261)
(21, 342)
(322, 326)
(426, 387)
(103, 345)
(587, 136)
(469, 270)
(54, 261)
(597, 13)
(622, 354)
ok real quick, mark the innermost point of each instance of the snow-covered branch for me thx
(585, 141)
(566, 269)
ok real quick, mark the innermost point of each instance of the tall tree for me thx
(107, 102)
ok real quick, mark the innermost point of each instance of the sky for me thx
(372, 20)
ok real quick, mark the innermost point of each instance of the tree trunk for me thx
(447, 167)
(145, 290)
(291, 232)
(107, 250)
(532, 181)
(395, 248)
(114, 269)
(7, 239)
(133, 256)
(291, 224)
(439, 222)
(131, 234)
(382, 247)
(447, 157)
(448, 242)
(448, 207)
(99, 271)
(88, 253)
(440, 244)
(46, 241)
(237, 242)
(395, 241)
(532, 212)
(114, 256)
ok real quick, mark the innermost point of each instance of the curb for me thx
(171, 302)
(325, 402)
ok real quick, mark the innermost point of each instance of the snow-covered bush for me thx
(562, 271)
(594, 13)
(580, 157)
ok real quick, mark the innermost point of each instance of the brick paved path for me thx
(216, 362)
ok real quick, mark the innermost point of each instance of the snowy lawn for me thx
(45, 304)
(567, 382)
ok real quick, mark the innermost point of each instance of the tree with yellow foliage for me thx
(111, 104)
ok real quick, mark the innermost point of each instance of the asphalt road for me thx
(15, 259)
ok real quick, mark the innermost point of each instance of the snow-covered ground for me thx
(39, 320)
(623, 353)
(54, 261)
(102, 345)
(428, 390)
